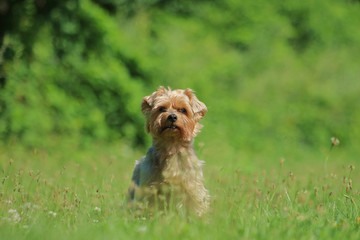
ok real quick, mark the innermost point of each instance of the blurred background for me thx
(279, 78)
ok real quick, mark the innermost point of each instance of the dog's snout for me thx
(172, 118)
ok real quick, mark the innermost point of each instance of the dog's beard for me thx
(171, 127)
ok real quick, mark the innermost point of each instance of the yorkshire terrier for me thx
(170, 170)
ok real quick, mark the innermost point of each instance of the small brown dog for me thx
(170, 165)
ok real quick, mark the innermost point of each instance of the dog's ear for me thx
(146, 105)
(199, 108)
(147, 102)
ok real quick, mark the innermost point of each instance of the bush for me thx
(271, 73)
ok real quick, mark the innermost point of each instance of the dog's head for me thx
(173, 114)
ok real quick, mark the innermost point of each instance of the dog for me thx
(170, 172)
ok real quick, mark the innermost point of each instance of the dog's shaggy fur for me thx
(170, 167)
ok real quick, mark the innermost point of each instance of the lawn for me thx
(79, 193)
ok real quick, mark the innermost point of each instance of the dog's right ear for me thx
(147, 102)
(146, 105)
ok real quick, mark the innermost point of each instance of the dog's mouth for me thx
(171, 127)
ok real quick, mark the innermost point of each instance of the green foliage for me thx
(76, 82)
(271, 73)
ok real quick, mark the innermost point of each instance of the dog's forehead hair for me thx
(174, 99)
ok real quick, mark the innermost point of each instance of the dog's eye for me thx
(162, 109)
(183, 110)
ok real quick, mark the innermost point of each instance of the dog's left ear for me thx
(199, 108)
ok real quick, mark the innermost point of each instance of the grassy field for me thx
(78, 193)
(279, 79)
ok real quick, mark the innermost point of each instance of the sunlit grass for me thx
(69, 192)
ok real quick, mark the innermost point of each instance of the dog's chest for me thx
(179, 169)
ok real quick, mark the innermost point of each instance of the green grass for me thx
(73, 193)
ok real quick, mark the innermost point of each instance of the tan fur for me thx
(170, 166)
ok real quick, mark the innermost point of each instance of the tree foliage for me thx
(282, 71)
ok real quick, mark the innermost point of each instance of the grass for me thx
(78, 193)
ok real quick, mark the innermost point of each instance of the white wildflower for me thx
(97, 209)
(12, 211)
(334, 141)
(51, 213)
(15, 216)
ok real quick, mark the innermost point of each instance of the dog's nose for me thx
(172, 118)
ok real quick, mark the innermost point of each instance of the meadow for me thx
(281, 83)
(80, 194)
